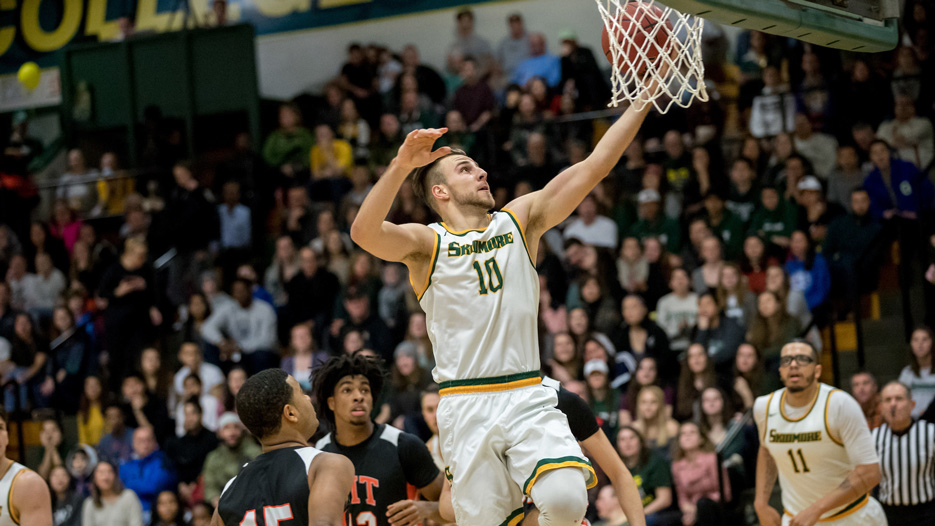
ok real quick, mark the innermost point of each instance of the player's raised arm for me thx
(370, 230)
(548, 207)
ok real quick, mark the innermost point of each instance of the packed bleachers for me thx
(132, 311)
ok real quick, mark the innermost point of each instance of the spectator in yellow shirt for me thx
(331, 163)
(330, 157)
(90, 417)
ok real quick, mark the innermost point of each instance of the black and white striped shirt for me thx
(907, 460)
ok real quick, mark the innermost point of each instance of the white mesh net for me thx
(652, 62)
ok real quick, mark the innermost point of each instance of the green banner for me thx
(34, 30)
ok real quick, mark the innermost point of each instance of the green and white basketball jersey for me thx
(7, 517)
(481, 302)
(811, 462)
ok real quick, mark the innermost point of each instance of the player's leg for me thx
(482, 490)
(561, 495)
(545, 460)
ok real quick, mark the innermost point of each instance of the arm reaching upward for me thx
(542, 210)
(402, 243)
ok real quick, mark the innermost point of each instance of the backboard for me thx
(865, 26)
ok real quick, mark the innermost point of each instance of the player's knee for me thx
(561, 497)
(565, 509)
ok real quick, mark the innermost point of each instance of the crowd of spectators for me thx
(726, 230)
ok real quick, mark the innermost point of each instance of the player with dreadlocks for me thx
(385, 458)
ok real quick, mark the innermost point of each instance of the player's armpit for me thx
(30, 499)
(399, 243)
(330, 480)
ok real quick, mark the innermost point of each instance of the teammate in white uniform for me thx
(815, 437)
(501, 435)
(24, 496)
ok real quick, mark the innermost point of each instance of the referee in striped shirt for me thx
(907, 458)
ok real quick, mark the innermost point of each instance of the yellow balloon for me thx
(28, 75)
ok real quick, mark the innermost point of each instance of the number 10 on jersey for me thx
(494, 279)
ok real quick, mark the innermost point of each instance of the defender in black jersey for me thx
(290, 483)
(587, 432)
(386, 460)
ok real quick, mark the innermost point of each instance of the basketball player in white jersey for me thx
(24, 496)
(815, 437)
(501, 434)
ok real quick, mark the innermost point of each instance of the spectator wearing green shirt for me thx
(287, 149)
(604, 399)
(224, 463)
(724, 224)
(775, 220)
(653, 223)
(652, 474)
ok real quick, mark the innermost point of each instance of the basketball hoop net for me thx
(674, 71)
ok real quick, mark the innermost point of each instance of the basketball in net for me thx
(641, 34)
(654, 52)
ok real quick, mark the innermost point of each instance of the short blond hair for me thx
(425, 177)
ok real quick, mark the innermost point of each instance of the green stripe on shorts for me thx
(491, 380)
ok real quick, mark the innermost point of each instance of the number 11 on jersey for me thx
(795, 465)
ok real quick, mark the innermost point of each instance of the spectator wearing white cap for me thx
(603, 398)
(223, 463)
(653, 223)
(815, 212)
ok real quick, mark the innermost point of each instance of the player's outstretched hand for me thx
(417, 151)
(408, 512)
